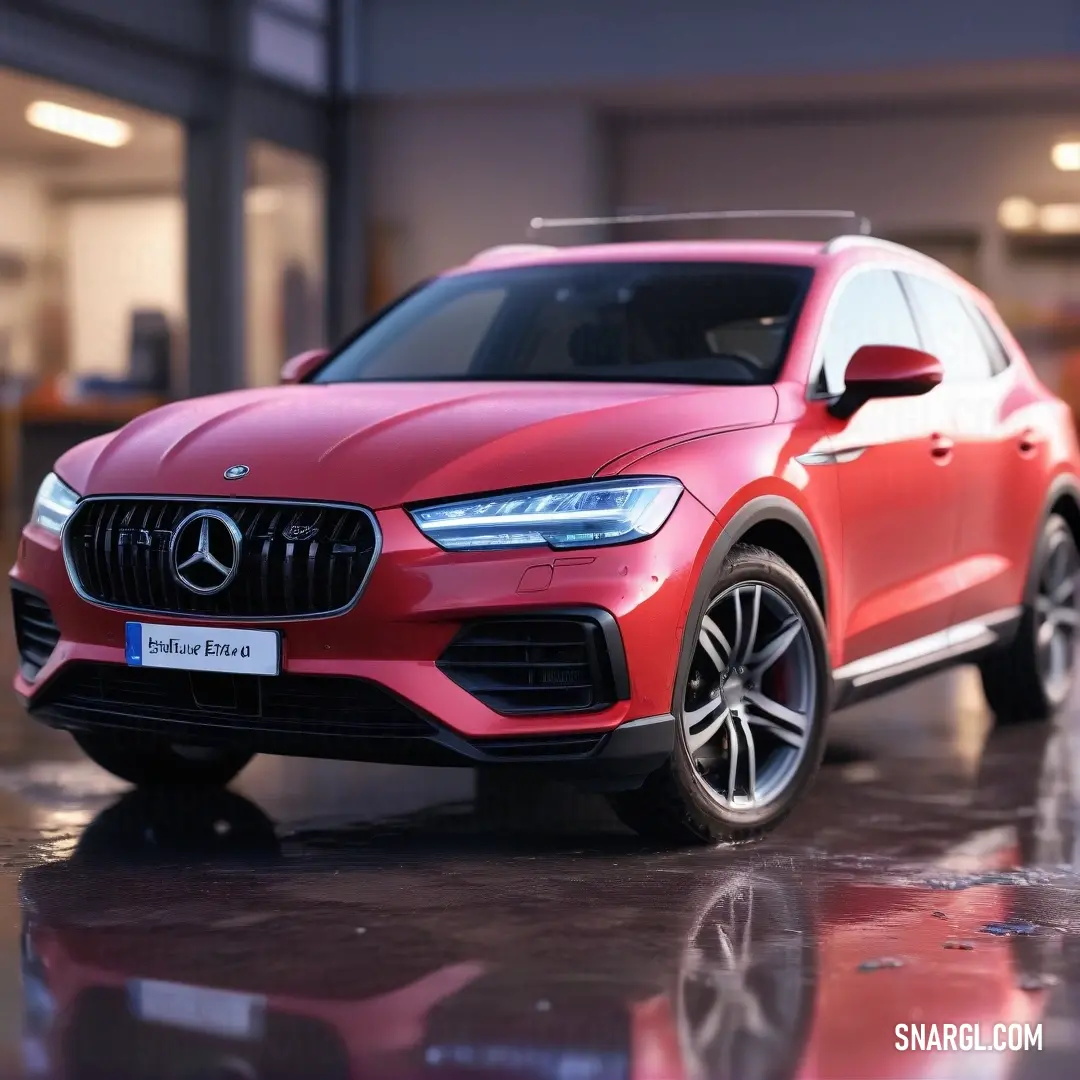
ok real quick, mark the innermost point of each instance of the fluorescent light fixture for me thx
(1060, 218)
(78, 124)
(1066, 155)
(1017, 213)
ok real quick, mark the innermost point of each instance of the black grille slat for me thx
(546, 664)
(99, 559)
(287, 576)
(264, 560)
(253, 584)
(335, 540)
(108, 549)
(119, 552)
(143, 555)
(159, 555)
(145, 698)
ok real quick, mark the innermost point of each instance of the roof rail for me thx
(839, 243)
(537, 224)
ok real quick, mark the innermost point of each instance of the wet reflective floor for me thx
(326, 920)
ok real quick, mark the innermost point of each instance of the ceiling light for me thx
(1066, 155)
(77, 124)
(1060, 218)
(1017, 213)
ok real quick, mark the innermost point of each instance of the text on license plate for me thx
(203, 648)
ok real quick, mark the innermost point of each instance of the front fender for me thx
(748, 477)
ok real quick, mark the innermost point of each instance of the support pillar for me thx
(347, 195)
(217, 143)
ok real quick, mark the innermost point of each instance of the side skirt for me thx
(881, 672)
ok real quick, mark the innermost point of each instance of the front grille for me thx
(533, 665)
(160, 700)
(296, 559)
(36, 632)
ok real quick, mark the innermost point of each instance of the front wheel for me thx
(750, 710)
(1033, 677)
(155, 763)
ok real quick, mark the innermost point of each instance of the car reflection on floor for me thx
(256, 964)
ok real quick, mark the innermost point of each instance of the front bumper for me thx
(415, 603)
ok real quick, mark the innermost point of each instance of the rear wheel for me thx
(156, 763)
(750, 710)
(1033, 677)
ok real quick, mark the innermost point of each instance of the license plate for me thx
(203, 648)
(214, 1012)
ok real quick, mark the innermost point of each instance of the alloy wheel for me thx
(751, 696)
(742, 993)
(1057, 617)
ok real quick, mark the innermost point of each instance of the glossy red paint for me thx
(929, 519)
(875, 364)
(443, 439)
(302, 365)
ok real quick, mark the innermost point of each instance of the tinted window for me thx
(626, 322)
(871, 310)
(996, 353)
(948, 330)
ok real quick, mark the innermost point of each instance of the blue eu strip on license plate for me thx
(203, 648)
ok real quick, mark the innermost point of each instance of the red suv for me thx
(640, 514)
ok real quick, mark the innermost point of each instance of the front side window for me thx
(702, 322)
(949, 331)
(871, 310)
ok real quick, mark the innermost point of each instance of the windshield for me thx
(701, 322)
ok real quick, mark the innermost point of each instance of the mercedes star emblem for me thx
(235, 472)
(204, 551)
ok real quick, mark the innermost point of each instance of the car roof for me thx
(800, 253)
(839, 254)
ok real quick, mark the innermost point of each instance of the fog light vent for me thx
(36, 632)
(529, 665)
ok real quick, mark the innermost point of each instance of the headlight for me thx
(574, 516)
(54, 504)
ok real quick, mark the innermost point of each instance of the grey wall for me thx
(425, 46)
(450, 178)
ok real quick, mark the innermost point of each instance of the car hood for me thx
(384, 444)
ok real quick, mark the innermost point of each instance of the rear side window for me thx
(996, 353)
(871, 310)
(948, 330)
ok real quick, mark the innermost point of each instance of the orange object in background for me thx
(47, 402)
(1069, 386)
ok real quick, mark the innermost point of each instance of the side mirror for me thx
(885, 371)
(302, 364)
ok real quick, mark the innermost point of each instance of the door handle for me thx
(1029, 443)
(941, 448)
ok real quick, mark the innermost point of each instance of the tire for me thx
(1033, 677)
(692, 797)
(154, 763)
